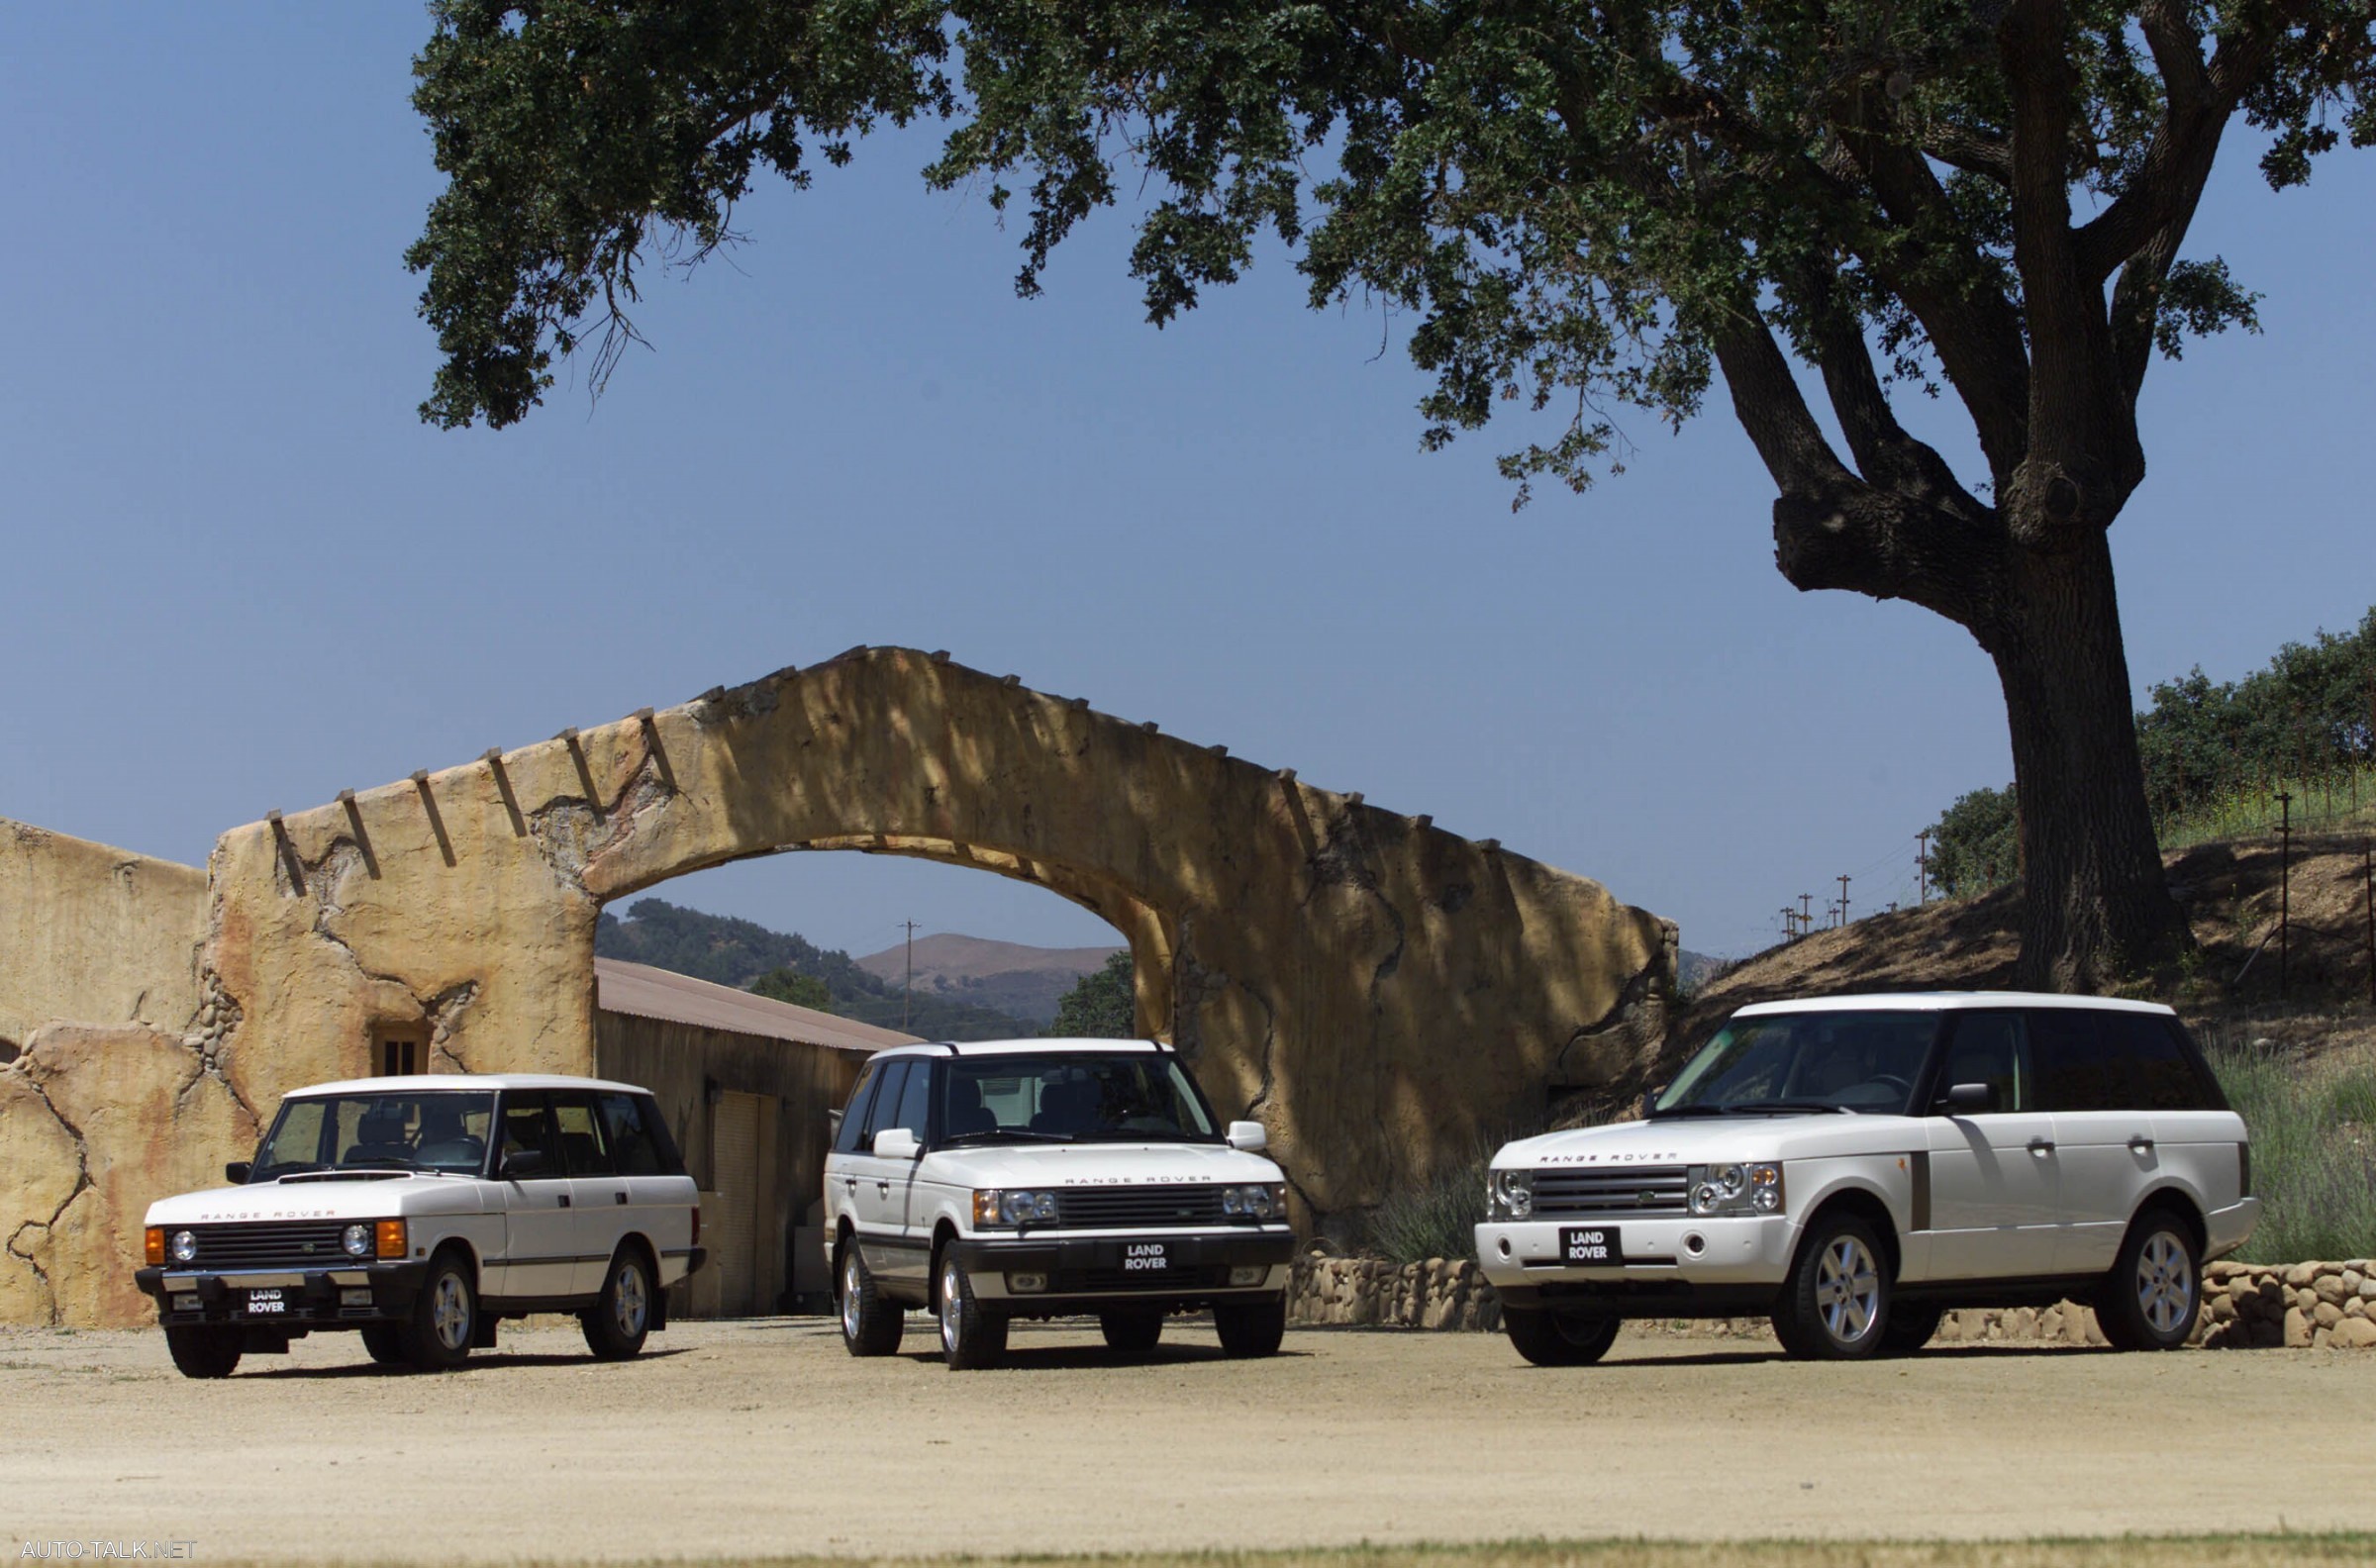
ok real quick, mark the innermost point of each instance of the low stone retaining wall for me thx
(2246, 1306)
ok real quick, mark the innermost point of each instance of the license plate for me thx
(265, 1303)
(1590, 1245)
(1146, 1258)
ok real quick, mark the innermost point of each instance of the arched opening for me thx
(745, 994)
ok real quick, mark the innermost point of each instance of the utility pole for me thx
(1844, 903)
(1922, 866)
(1806, 915)
(2367, 874)
(906, 987)
(2285, 883)
(1789, 923)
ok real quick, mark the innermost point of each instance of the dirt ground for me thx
(764, 1437)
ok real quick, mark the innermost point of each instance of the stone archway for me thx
(1380, 993)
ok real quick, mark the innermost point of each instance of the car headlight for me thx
(1509, 1193)
(1736, 1188)
(356, 1239)
(1262, 1201)
(184, 1247)
(1012, 1206)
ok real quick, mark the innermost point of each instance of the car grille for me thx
(1115, 1208)
(1636, 1189)
(279, 1245)
(1114, 1279)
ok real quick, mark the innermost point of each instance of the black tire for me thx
(1835, 1307)
(385, 1343)
(1131, 1332)
(870, 1326)
(971, 1337)
(1911, 1326)
(445, 1316)
(2154, 1292)
(1249, 1329)
(616, 1324)
(1555, 1338)
(204, 1352)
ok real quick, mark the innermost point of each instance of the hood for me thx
(1697, 1140)
(1100, 1164)
(384, 1198)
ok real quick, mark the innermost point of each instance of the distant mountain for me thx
(728, 952)
(1694, 971)
(1008, 977)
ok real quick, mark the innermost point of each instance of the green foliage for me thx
(790, 985)
(1432, 1220)
(1976, 844)
(739, 953)
(1102, 1005)
(2314, 1154)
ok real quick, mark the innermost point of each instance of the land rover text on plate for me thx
(1043, 1178)
(1855, 1166)
(421, 1211)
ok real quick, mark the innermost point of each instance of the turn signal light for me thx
(696, 1241)
(390, 1239)
(155, 1244)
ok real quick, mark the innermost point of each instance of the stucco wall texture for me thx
(1381, 994)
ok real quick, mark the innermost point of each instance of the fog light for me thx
(354, 1298)
(1247, 1273)
(1026, 1284)
(185, 1302)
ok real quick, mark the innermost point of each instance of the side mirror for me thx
(521, 1162)
(238, 1172)
(897, 1143)
(832, 1127)
(1970, 1098)
(1250, 1136)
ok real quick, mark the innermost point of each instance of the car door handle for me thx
(883, 1187)
(619, 1197)
(2041, 1146)
(564, 1200)
(2140, 1144)
(851, 1182)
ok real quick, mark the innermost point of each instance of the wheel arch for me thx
(2178, 1200)
(1867, 1205)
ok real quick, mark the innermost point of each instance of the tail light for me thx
(154, 1245)
(696, 1241)
(2243, 1171)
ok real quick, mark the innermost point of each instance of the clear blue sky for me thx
(240, 575)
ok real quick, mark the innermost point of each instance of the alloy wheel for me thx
(951, 1281)
(1847, 1290)
(849, 1293)
(631, 1300)
(449, 1313)
(2165, 1282)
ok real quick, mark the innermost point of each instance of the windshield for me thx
(1072, 1098)
(1805, 1062)
(429, 1130)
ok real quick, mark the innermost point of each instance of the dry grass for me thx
(2207, 1551)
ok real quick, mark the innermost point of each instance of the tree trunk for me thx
(2096, 907)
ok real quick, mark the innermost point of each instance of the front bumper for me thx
(1679, 1264)
(326, 1298)
(1197, 1267)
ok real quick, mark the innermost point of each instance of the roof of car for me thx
(1014, 1048)
(414, 1082)
(1942, 1001)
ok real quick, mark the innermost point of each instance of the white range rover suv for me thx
(1047, 1178)
(423, 1209)
(1855, 1166)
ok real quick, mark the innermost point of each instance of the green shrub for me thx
(2314, 1154)
(1432, 1220)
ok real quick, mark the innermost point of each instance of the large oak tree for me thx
(1582, 205)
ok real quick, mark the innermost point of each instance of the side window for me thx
(528, 1131)
(632, 1126)
(849, 1139)
(1991, 1048)
(915, 1102)
(584, 1150)
(884, 1110)
(2165, 1079)
(2081, 1063)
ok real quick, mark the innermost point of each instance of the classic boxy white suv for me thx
(423, 1209)
(1856, 1165)
(1047, 1178)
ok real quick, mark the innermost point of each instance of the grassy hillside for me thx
(728, 952)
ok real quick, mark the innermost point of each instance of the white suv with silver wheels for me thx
(1049, 1178)
(1857, 1166)
(419, 1211)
